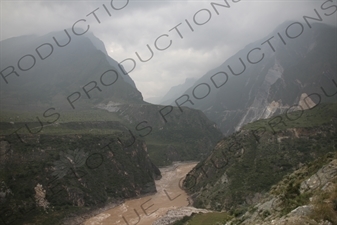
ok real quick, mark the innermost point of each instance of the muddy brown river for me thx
(145, 210)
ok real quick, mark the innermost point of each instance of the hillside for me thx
(47, 177)
(306, 196)
(285, 175)
(76, 76)
(267, 77)
(245, 165)
(73, 82)
(185, 136)
(76, 134)
(98, 174)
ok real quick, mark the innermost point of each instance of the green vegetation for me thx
(325, 206)
(247, 163)
(78, 172)
(317, 116)
(289, 187)
(291, 194)
(66, 116)
(72, 162)
(180, 144)
(185, 136)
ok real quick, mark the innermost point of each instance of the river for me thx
(145, 210)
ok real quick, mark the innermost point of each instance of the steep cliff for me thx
(73, 76)
(306, 196)
(93, 158)
(46, 177)
(269, 76)
(246, 164)
(170, 134)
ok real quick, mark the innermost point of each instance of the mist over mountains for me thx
(263, 79)
(176, 91)
(72, 108)
(42, 71)
(268, 77)
(104, 117)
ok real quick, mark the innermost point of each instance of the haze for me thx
(140, 23)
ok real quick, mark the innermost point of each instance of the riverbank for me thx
(147, 209)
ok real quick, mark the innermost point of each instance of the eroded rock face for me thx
(246, 165)
(286, 78)
(239, 169)
(321, 178)
(48, 171)
(40, 197)
(321, 183)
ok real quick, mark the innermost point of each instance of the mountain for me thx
(245, 165)
(153, 100)
(306, 196)
(37, 73)
(76, 134)
(177, 91)
(73, 80)
(95, 158)
(268, 77)
(186, 135)
(47, 177)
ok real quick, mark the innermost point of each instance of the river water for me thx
(146, 210)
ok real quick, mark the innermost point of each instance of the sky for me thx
(130, 26)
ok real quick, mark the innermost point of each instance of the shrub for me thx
(325, 207)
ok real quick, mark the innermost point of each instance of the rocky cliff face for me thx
(268, 77)
(170, 134)
(307, 196)
(89, 159)
(81, 76)
(245, 165)
(46, 177)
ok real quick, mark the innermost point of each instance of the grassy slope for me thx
(67, 116)
(308, 118)
(186, 136)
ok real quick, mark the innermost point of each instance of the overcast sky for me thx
(140, 23)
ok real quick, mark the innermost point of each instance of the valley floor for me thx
(150, 208)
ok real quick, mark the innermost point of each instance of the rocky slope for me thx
(270, 173)
(76, 136)
(245, 165)
(267, 77)
(176, 136)
(307, 196)
(81, 77)
(48, 176)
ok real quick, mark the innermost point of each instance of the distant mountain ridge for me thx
(96, 142)
(282, 73)
(177, 90)
(79, 66)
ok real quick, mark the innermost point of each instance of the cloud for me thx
(140, 23)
